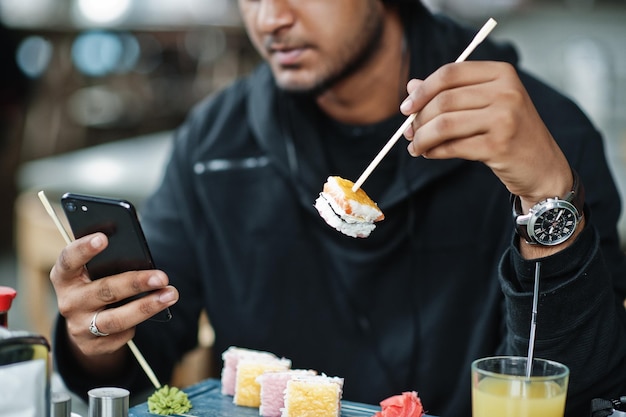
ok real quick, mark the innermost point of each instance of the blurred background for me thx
(91, 90)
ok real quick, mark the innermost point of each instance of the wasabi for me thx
(168, 400)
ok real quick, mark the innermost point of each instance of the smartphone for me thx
(118, 220)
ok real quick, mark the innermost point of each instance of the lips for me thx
(288, 56)
(284, 53)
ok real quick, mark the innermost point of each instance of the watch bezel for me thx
(573, 201)
(538, 213)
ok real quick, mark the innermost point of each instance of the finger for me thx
(127, 316)
(407, 105)
(450, 101)
(412, 85)
(451, 76)
(473, 97)
(89, 344)
(461, 134)
(117, 288)
(71, 262)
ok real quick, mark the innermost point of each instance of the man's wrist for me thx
(531, 251)
(558, 189)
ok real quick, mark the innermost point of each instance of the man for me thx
(443, 280)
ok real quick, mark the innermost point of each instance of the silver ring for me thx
(93, 328)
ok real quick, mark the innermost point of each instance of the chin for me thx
(295, 86)
(298, 82)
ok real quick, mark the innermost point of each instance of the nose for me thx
(274, 15)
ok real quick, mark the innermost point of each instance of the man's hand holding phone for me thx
(106, 281)
(80, 298)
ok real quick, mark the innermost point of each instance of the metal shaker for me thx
(108, 402)
(61, 404)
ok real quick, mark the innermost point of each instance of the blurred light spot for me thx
(131, 51)
(100, 171)
(96, 107)
(26, 13)
(96, 53)
(207, 11)
(206, 47)
(103, 11)
(33, 56)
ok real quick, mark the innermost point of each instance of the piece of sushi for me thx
(351, 213)
(231, 358)
(313, 396)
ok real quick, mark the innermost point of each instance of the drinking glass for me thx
(500, 387)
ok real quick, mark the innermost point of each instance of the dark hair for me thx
(407, 8)
(402, 1)
(406, 4)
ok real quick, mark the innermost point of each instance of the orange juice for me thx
(517, 397)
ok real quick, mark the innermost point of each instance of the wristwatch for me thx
(553, 220)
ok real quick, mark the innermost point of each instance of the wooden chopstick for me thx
(480, 36)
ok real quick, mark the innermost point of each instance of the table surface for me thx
(208, 401)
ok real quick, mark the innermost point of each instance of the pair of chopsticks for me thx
(480, 36)
(133, 347)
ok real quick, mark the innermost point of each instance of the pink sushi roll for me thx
(231, 358)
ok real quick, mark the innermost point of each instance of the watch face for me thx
(554, 223)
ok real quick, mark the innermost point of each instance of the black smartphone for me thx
(118, 220)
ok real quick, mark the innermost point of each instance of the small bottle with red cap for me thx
(7, 294)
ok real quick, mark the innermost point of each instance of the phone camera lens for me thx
(71, 207)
